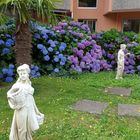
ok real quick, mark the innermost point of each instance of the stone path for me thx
(90, 106)
(118, 91)
(97, 107)
(128, 110)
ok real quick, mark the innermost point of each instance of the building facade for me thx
(102, 15)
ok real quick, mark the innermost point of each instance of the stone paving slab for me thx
(128, 110)
(118, 91)
(94, 107)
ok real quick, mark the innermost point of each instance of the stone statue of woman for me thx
(27, 117)
(120, 61)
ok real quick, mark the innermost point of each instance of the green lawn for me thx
(54, 97)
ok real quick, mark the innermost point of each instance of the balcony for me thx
(63, 7)
(125, 5)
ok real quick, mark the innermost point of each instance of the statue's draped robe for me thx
(27, 117)
(120, 64)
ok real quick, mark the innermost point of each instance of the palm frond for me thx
(45, 9)
(23, 9)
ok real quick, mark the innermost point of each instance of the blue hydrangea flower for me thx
(138, 67)
(50, 49)
(56, 59)
(52, 33)
(45, 36)
(62, 46)
(4, 71)
(45, 31)
(62, 63)
(8, 35)
(56, 70)
(5, 51)
(62, 32)
(57, 52)
(63, 59)
(9, 79)
(44, 51)
(11, 66)
(40, 46)
(36, 68)
(1, 42)
(33, 72)
(60, 55)
(37, 36)
(50, 41)
(46, 58)
(1, 75)
(53, 44)
(56, 42)
(9, 42)
(10, 72)
(38, 74)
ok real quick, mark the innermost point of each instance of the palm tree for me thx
(23, 11)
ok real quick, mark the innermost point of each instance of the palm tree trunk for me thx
(23, 47)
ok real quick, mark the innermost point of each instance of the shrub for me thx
(69, 46)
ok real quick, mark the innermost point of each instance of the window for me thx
(87, 3)
(90, 22)
(131, 25)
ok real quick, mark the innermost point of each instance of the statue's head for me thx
(23, 72)
(123, 46)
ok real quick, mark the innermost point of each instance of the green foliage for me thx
(110, 35)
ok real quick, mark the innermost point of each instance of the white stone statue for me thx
(27, 117)
(120, 61)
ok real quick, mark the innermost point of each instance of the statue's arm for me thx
(15, 90)
(127, 54)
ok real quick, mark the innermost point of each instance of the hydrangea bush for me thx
(69, 46)
(55, 44)
(48, 53)
(110, 42)
(87, 57)
(7, 57)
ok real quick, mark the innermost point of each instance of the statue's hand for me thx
(128, 54)
(15, 90)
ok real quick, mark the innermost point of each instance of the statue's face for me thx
(123, 46)
(23, 75)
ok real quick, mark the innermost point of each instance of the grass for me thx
(54, 97)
